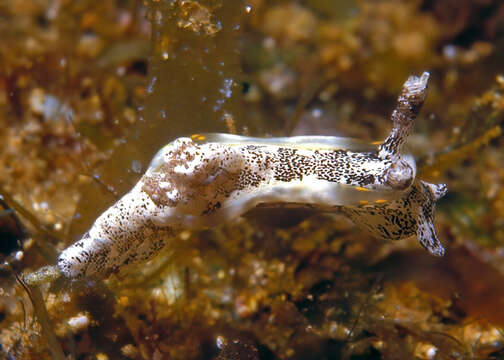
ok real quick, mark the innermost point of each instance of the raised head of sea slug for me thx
(408, 106)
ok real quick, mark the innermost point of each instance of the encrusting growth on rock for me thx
(205, 180)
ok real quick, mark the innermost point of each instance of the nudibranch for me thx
(205, 180)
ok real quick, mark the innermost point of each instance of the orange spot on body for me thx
(360, 188)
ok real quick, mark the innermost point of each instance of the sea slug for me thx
(205, 180)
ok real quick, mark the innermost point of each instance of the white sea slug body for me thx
(205, 180)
